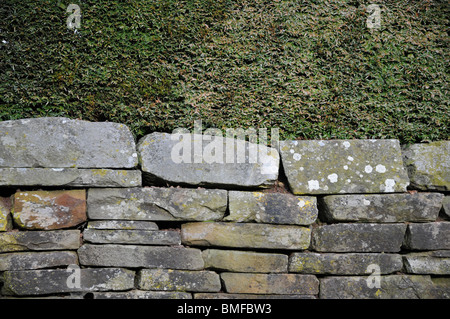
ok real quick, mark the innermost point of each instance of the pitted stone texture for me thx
(37, 260)
(358, 237)
(39, 240)
(270, 283)
(428, 236)
(51, 281)
(343, 264)
(427, 263)
(446, 206)
(386, 208)
(391, 287)
(46, 210)
(138, 237)
(246, 235)
(61, 142)
(244, 261)
(73, 177)
(271, 208)
(133, 256)
(140, 294)
(178, 280)
(161, 161)
(122, 224)
(428, 165)
(155, 203)
(5, 214)
(344, 166)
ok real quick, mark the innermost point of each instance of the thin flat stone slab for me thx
(51, 281)
(178, 280)
(385, 208)
(358, 237)
(137, 237)
(427, 263)
(211, 295)
(141, 294)
(55, 142)
(344, 264)
(5, 214)
(270, 283)
(70, 177)
(428, 165)
(133, 256)
(186, 159)
(244, 261)
(245, 235)
(391, 287)
(344, 166)
(46, 210)
(37, 260)
(271, 208)
(428, 236)
(156, 204)
(39, 240)
(122, 224)
(446, 206)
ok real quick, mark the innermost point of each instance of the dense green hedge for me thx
(311, 68)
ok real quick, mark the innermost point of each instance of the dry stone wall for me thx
(85, 212)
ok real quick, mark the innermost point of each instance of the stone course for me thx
(85, 212)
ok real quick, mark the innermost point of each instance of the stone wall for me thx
(87, 213)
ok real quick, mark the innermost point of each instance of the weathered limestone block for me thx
(387, 208)
(178, 280)
(211, 295)
(344, 264)
(391, 287)
(427, 263)
(39, 240)
(271, 208)
(155, 203)
(344, 166)
(37, 260)
(49, 209)
(61, 142)
(428, 165)
(446, 206)
(138, 237)
(51, 281)
(122, 224)
(244, 261)
(206, 160)
(140, 294)
(358, 237)
(69, 177)
(428, 236)
(246, 235)
(133, 256)
(270, 283)
(5, 214)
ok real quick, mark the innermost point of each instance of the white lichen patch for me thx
(380, 168)
(297, 156)
(368, 169)
(350, 158)
(313, 184)
(346, 144)
(389, 185)
(333, 177)
(366, 202)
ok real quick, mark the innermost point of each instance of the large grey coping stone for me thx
(344, 166)
(164, 157)
(55, 142)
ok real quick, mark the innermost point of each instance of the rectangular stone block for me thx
(139, 294)
(428, 236)
(446, 206)
(386, 208)
(211, 295)
(37, 260)
(46, 210)
(391, 287)
(61, 142)
(344, 166)
(52, 281)
(271, 208)
(358, 237)
(155, 204)
(427, 263)
(178, 280)
(5, 214)
(122, 224)
(244, 261)
(285, 284)
(246, 235)
(138, 237)
(428, 165)
(69, 177)
(132, 256)
(344, 264)
(39, 240)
